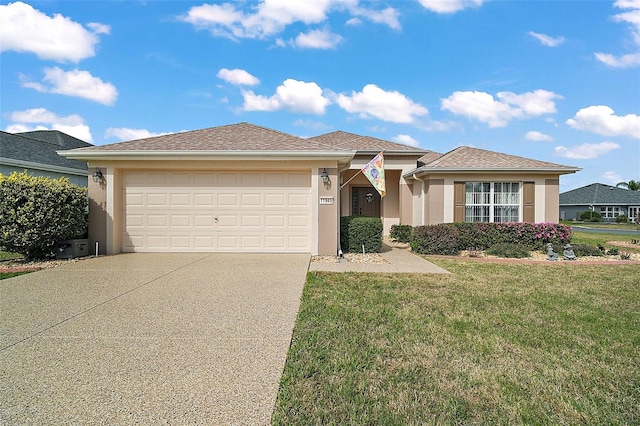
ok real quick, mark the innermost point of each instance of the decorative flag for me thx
(374, 171)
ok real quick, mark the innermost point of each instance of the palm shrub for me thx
(36, 212)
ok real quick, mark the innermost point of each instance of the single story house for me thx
(609, 201)
(246, 188)
(36, 152)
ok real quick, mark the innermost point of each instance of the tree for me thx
(633, 185)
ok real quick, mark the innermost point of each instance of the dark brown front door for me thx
(365, 201)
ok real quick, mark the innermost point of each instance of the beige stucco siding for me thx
(438, 193)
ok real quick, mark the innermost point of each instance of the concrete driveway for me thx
(148, 339)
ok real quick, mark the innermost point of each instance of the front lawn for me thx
(489, 344)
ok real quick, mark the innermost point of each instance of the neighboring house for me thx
(607, 200)
(36, 152)
(245, 188)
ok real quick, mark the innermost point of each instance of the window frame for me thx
(486, 199)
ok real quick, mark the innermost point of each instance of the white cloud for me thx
(631, 17)
(385, 105)
(485, 108)
(388, 17)
(624, 61)
(75, 83)
(25, 29)
(43, 119)
(449, 6)
(586, 151)
(126, 134)
(238, 77)
(295, 96)
(600, 119)
(318, 39)
(534, 135)
(547, 40)
(406, 140)
(270, 17)
(611, 177)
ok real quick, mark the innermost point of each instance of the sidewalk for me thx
(400, 260)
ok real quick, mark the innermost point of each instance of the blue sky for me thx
(556, 81)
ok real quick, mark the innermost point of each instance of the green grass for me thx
(5, 275)
(488, 344)
(602, 239)
(5, 255)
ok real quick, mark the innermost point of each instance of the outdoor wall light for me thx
(325, 176)
(97, 176)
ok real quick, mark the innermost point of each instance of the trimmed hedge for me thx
(401, 233)
(530, 235)
(37, 212)
(509, 250)
(435, 239)
(358, 230)
(450, 238)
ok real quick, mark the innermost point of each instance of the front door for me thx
(365, 201)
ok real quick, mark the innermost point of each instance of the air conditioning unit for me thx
(70, 249)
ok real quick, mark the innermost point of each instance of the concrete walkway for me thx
(148, 339)
(400, 260)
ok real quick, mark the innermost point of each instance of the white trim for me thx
(43, 167)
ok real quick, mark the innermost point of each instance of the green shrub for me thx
(530, 235)
(580, 250)
(591, 216)
(584, 250)
(37, 212)
(509, 250)
(614, 251)
(435, 239)
(401, 233)
(622, 219)
(358, 230)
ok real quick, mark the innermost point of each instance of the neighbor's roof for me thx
(37, 150)
(470, 159)
(599, 194)
(350, 141)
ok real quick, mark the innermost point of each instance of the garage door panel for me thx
(217, 211)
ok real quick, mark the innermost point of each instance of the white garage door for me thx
(223, 211)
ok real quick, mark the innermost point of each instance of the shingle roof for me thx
(429, 157)
(40, 147)
(599, 193)
(468, 158)
(233, 137)
(351, 141)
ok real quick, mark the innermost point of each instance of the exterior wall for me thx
(79, 178)
(98, 214)
(438, 193)
(435, 201)
(552, 200)
(328, 214)
(106, 199)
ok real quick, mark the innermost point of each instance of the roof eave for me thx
(450, 170)
(112, 155)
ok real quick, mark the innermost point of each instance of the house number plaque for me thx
(326, 200)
